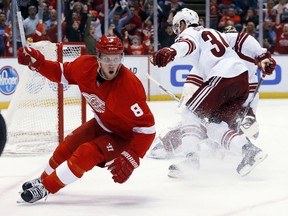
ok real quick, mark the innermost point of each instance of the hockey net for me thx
(41, 113)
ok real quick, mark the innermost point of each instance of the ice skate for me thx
(179, 170)
(32, 183)
(158, 152)
(252, 156)
(34, 194)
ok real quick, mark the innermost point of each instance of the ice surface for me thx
(215, 190)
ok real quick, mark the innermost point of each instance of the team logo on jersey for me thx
(95, 102)
(8, 80)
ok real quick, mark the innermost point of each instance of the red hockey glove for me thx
(266, 63)
(30, 57)
(163, 56)
(123, 166)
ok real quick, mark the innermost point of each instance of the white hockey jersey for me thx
(247, 48)
(208, 52)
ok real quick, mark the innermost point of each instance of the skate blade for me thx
(259, 158)
(20, 201)
(175, 173)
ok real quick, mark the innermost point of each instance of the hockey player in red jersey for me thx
(121, 131)
(214, 107)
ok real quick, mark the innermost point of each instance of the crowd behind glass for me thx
(132, 22)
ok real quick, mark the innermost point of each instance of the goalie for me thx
(212, 111)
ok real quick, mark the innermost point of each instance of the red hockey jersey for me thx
(119, 104)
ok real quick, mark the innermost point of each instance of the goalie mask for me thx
(186, 15)
(110, 54)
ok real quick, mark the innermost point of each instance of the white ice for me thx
(215, 190)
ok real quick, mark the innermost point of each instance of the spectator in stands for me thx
(281, 44)
(137, 47)
(75, 19)
(251, 16)
(95, 22)
(214, 14)
(226, 4)
(89, 40)
(8, 40)
(134, 24)
(3, 26)
(250, 29)
(166, 36)
(31, 22)
(40, 33)
(171, 7)
(269, 11)
(112, 31)
(52, 19)
(269, 35)
(231, 15)
(282, 6)
(148, 26)
(45, 12)
(243, 6)
(115, 16)
(5, 7)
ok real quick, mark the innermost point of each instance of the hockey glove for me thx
(266, 63)
(163, 56)
(123, 166)
(30, 57)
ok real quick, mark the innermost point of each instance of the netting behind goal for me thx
(41, 113)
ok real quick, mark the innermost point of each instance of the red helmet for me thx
(110, 45)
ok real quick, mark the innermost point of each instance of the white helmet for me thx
(188, 16)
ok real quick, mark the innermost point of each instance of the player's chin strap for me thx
(249, 104)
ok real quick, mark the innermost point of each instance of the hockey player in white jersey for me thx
(248, 49)
(213, 109)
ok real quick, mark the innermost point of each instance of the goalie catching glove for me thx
(266, 63)
(163, 56)
(123, 166)
(34, 59)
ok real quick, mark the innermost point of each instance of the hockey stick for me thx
(250, 102)
(20, 24)
(163, 88)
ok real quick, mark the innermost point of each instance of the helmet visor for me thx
(110, 59)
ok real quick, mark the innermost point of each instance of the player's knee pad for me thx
(61, 154)
(85, 158)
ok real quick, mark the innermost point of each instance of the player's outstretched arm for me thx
(163, 56)
(31, 57)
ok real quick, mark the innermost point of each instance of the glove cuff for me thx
(263, 56)
(131, 159)
(39, 61)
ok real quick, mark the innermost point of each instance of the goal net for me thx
(41, 113)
